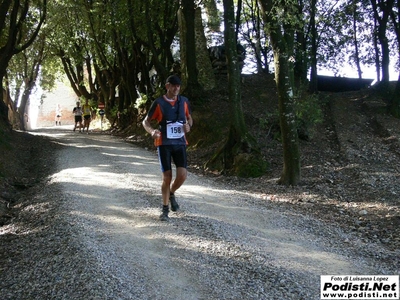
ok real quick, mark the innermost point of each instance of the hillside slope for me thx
(350, 164)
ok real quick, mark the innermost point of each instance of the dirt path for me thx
(223, 244)
(92, 232)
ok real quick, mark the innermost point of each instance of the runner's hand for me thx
(156, 134)
(186, 127)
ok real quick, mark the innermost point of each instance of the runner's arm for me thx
(155, 133)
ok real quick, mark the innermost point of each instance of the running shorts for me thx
(169, 153)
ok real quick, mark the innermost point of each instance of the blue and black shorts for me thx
(169, 153)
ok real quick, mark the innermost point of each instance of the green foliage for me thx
(51, 73)
(250, 166)
(159, 92)
(270, 123)
(141, 102)
(208, 130)
(106, 44)
(114, 110)
(308, 114)
(270, 119)
(214, 18)
(308, 110)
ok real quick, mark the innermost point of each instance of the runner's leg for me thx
(181, 175)
(165, 186)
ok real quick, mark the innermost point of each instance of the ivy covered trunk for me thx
(281, 31)
(240, 154)
(287, 121)
(205, 73)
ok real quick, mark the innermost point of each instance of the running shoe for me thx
(174, 204)
(164, 215)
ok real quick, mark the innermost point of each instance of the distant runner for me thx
(87, 115)
(58, 115)
(77, 111)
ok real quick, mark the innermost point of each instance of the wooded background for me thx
(120, 52)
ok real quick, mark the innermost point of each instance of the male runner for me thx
(173, 115)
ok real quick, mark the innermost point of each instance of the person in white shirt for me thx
(58, 115)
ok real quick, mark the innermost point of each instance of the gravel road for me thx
(93, 233)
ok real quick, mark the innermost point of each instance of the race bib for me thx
(175, 130)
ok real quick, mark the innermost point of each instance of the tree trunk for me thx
(206, 74)
(313, 74)
(376, 52)
(193, 89)
(381, 15)
(17, 13)
(240, 153)
(395, 101)
(23, 113)
(385, 54)
(300, 65)
(3, 111)
(281, 33)
(233, 71)
(287, 121)
(3, 105)
(356, 49)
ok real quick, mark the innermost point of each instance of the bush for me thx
(249, 166)
(308, 113)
